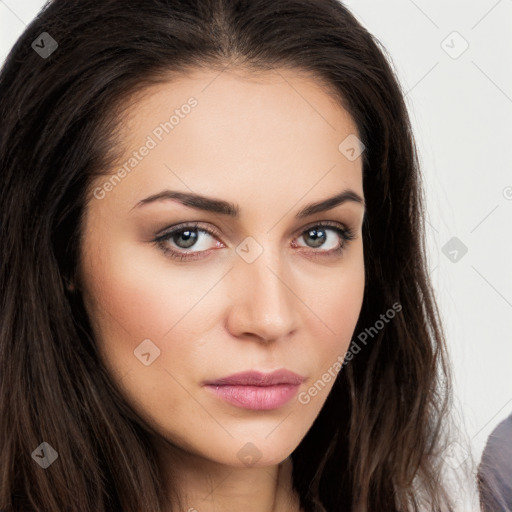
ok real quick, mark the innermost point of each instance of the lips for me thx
(254, 378)
(255, 390)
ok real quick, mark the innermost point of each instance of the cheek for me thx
(337, 303)
(131, 297)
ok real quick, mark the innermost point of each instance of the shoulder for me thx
(495, 467)
(500, 441)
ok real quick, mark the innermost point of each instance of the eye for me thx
(176, 242)
(184, 236)
(318, 234)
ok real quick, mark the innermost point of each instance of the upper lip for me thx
(255, 378)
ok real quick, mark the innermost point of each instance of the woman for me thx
(170, 339)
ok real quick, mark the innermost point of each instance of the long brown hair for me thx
(376, 444)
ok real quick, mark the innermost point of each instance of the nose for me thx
(263, 303)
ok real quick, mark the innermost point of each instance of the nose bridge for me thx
(263, 304)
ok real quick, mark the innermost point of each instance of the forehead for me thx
(216, 132)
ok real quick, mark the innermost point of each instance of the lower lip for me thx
(257, 398)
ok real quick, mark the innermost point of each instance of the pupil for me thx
(190, 237)
(319, 240)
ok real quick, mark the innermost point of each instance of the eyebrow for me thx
(232, 210)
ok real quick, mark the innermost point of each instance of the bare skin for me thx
(269, 144)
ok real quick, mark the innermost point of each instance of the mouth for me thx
(255, 390)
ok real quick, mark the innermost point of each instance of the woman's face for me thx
(258, 290)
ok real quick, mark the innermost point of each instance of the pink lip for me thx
(255, 390)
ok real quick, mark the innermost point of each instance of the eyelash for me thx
(346, 235)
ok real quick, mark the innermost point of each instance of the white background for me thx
(461, 110)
